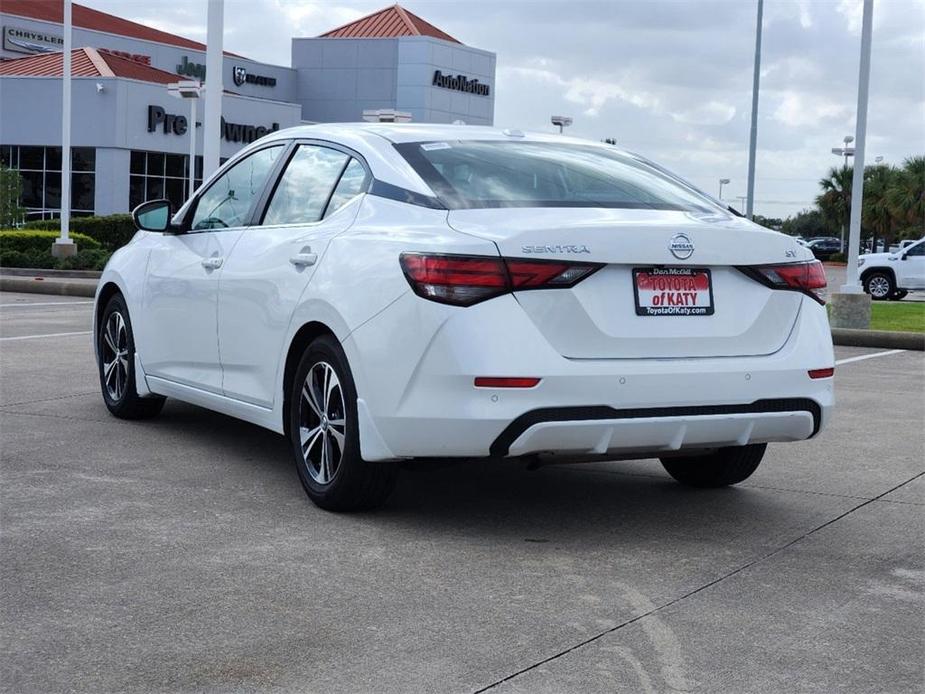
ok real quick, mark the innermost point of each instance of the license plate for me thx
(673, 291)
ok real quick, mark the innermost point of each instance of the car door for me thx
(180, 298)
(911, 267)
(272, 263)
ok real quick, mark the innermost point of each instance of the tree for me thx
(876, 215)
(906, 196)
(835, 200)
(11, 212)
(805, 223)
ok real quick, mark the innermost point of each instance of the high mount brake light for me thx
(808, 278)
(463, 280)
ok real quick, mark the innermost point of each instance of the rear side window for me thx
(228, 202)
(351, 184)
(306, 185)
(474, 174)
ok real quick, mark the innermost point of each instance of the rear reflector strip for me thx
(494, 382)
(822, 373)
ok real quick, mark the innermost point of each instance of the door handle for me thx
(304, 259)
(213, 263)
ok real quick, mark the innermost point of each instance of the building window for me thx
(157, 175)
(40, 169)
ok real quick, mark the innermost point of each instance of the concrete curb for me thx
(50, 274)
(878, 338)
(40, 285)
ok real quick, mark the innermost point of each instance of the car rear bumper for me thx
(419, 399)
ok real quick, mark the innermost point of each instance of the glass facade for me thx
(40, 169)
(157, 175)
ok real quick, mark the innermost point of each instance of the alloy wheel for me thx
(322, 422)
(879, 287)
(114, 354)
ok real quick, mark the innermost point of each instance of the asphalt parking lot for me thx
(181, 554)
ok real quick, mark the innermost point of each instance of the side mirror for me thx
(903, 256)
(153, 215)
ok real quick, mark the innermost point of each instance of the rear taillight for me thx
(463, 280)
(808, 278)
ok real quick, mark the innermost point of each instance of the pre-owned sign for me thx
(172, 124)
(460, 83)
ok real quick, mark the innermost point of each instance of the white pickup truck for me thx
(893, 275)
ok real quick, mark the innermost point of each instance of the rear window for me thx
(475, 174)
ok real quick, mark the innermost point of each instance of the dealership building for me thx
(130, 137)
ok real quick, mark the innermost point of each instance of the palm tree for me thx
(877, 214)
(835, 200)
(906, 197)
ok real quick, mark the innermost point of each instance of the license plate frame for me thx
(680, 295)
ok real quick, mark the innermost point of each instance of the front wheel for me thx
(719, 469)
(879, 285)
(324, 433)
(116, 361)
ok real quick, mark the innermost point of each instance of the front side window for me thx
(476, 174)
(230, 199)
(916, 250)
(306, 185)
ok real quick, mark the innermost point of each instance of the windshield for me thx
(475, 174)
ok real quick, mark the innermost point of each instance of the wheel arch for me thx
(879, 268)
(105, 293)
(300, 341)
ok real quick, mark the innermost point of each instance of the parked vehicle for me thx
(893, 275)
(823, 249)
(381, 292)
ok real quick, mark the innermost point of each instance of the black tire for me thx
(880, 285)
(899, 295)
(116, 350)
(347, 483)
(720, 469)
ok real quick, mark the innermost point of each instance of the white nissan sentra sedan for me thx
(379, 293)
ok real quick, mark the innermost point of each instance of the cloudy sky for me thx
(670, 79)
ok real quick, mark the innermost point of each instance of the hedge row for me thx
(112, 231)
(34, 240)
(94, 259)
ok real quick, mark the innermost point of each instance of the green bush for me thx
(34, 240)
(837, 258)
(94, 259)
(112, 231)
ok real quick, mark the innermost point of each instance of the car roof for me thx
(422, 132)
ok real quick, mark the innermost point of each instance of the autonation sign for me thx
(460, 84)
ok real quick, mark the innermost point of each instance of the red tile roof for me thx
(87, 18)
(389, 23)
(85, 62)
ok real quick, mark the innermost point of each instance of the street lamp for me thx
(845, 152)
(722, 182)
(192, 90)
(561, 121)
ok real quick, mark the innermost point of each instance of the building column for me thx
(112, 171)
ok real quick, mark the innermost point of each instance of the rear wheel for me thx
(324, 433)
(719, 469)
(116, 355)
(879, 285)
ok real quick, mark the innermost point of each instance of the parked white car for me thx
(380, 292)
(893, 275)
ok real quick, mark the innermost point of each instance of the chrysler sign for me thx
(460, 83)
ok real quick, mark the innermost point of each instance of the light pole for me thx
(63, 246)
(845, 152)
(722, 182)
(561, 121)
(753, 133)
(189, 89)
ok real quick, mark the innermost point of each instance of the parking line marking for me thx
(35, 337)
(868, 356)
(47, 303)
